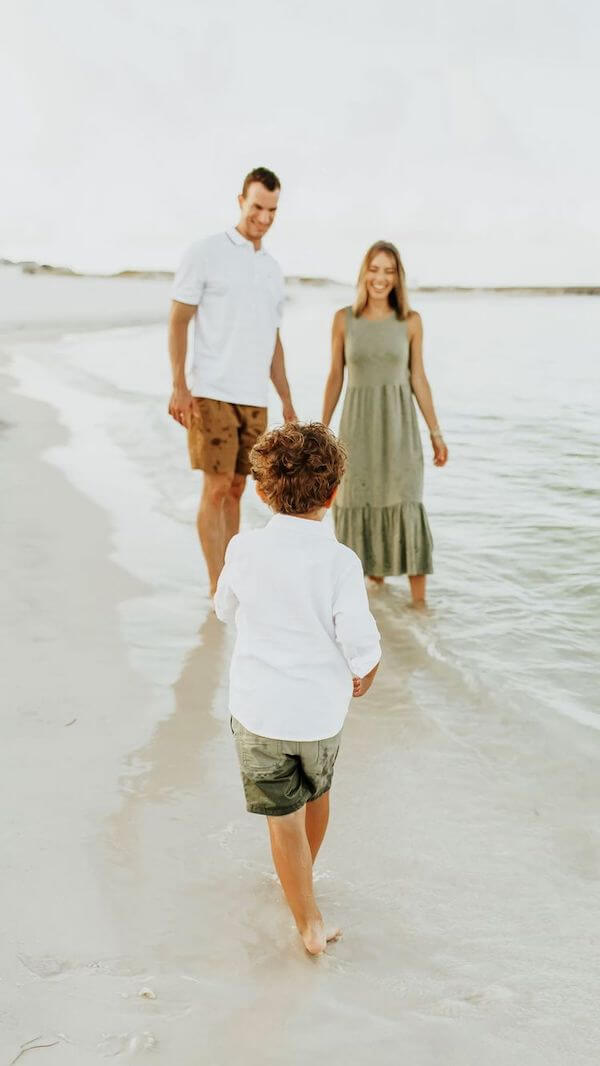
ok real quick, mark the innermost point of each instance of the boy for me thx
(306, 642)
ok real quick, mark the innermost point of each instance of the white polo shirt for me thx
(239, 294)
(304, 628)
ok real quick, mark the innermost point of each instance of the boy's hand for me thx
(360, 685)
(357, 687)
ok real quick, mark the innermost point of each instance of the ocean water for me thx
(515, 599)
(463, 856)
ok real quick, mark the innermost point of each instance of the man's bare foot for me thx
(419, 605)
(315, 938)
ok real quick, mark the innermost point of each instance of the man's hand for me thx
(360, 685)
(289, 415)
(181, 405)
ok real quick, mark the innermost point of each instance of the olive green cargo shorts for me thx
(280, 776)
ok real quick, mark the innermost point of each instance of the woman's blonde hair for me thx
(398, 297)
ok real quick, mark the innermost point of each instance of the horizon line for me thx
(34, 267)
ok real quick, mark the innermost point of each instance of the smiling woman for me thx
(378, 511)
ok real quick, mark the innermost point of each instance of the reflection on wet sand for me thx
(170, 762)
(171, 801)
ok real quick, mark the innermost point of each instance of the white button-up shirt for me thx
(304, 628)
(239, 294)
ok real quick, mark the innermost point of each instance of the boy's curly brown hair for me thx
(298, 466)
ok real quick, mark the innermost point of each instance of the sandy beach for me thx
(141, 920)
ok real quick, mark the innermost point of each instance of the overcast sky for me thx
(466, 131)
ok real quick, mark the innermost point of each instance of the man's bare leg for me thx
(293, 862)
(317, 817)
(417, 589)
(211, 523)
(231, 507)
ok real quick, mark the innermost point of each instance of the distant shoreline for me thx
(28, 267)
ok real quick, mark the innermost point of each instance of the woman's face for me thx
(382, 276)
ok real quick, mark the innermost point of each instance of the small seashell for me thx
(147, 993)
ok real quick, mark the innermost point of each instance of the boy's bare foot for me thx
(315, 937)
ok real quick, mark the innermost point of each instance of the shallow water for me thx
(515, 601)
(463, 857)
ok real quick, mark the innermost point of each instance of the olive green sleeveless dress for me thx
(378, 510)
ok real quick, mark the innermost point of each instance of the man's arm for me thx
(280, 381)
(180, 404)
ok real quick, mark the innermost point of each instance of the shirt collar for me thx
(305, 526)
(236, 238)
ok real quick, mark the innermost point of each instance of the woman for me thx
(378, 510)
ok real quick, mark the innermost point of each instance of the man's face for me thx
(258, 209)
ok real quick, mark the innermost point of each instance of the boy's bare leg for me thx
(231, 507)
(317, 817)
(417, 589)
(293, 862)
(211, 523)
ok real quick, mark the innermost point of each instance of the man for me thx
(234, 290)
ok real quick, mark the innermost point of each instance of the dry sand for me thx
(140, 917)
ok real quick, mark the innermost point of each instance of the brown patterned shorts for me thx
(221, 435)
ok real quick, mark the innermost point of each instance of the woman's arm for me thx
(335, 381)
(420, 387)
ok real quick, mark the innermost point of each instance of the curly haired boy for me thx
(306, 643)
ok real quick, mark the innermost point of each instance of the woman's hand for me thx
(440, 451)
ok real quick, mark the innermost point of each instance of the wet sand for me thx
(141, 918)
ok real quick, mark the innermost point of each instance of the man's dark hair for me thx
(264, 176)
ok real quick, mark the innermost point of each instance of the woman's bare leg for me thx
(417, 589)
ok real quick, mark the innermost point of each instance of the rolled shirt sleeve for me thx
(226, 601)
(355, 628)
(190, 279)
